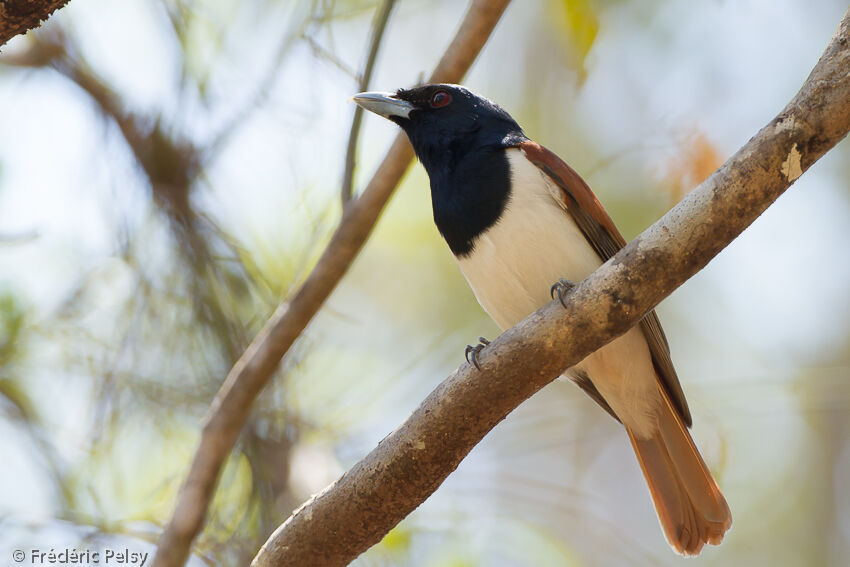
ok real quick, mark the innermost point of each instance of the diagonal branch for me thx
(255, 368)
(357, 510)
(20, 17)
(378, 28)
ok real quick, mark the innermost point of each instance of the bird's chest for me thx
(534, 242)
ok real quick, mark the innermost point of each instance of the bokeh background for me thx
(170, 170)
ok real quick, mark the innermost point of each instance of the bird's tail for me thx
(691, 508)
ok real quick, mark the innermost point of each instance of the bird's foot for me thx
(471, 352)
(561, 289)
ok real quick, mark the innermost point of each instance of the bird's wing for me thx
(606, 240)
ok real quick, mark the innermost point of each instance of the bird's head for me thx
(444, 122)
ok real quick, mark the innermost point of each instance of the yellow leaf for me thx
(581, 25)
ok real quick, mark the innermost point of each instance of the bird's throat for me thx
(469, 199)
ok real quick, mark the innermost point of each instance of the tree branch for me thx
(23, 15)
(407, 466)
(254, 369)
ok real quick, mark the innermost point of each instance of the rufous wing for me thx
(600, 231)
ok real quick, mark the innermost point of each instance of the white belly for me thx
(514, 264)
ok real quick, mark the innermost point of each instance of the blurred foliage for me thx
(11, 323)
(175, 175)
(696, 159)
(580, 26)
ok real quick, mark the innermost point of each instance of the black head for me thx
(460, 138)
(445, 121)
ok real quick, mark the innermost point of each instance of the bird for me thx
(523, 225)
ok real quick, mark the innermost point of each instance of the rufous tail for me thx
(691, 508)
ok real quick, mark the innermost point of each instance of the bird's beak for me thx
(384, 104)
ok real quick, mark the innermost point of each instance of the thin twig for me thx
(323, 53)
(378, 28)
(356, 511)
(255, 368)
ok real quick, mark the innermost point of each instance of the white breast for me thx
(534, 243)
(513, 266)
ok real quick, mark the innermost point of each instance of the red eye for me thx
(440, 98)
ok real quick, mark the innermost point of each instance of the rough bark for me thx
(356, 511)
(252, 372)
(20, 16)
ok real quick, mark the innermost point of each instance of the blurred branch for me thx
(17, 17)
(16, 405)
(255, 368)
(407, 466)
(378, 28)
(323, 53)
(171, 163)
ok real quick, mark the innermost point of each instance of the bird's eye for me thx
(440, 98)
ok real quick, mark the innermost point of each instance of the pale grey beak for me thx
(384, 104)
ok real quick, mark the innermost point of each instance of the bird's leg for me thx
(561, 289)
(471, 352)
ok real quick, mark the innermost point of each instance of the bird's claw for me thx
(561, 289)
(471, 352)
